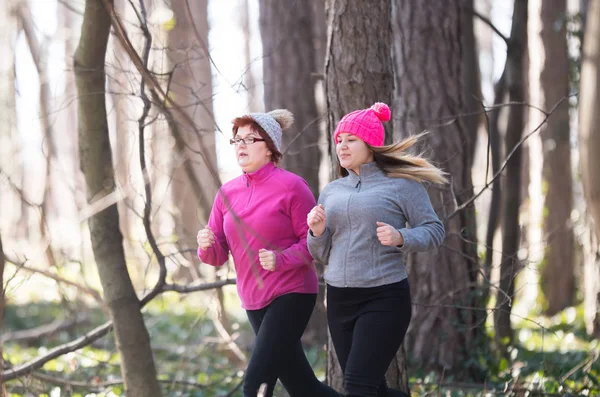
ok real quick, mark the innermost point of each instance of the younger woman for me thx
(359, 230)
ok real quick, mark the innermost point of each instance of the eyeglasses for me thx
(247, 141)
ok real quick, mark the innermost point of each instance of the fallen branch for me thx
(44, 331)
(58, 351)
(230, 342)
(586, 362)
(98, 386)
(486, 388)
(88, 338)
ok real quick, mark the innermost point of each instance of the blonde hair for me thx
(395, 162)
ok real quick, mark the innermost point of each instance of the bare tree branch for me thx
(67, 4)
(162, 99)
(88, 290)
(487, 21)
(198, 287)
(142, 142)
(508, 156)
(18, 190)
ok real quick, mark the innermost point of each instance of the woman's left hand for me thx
(267, 259)
(389, 235)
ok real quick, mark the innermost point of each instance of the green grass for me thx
(550, 356)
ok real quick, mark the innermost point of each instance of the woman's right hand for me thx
(316, 220)
(205, 238)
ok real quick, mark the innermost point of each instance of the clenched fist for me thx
(267, 259)
(205, 238)
(389, 235)
(316, 220)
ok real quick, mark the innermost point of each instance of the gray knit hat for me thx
(274, 123)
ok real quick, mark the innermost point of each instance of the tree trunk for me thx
(557, 272)
(335, 377)
(319, 35)
(8, 200)
(584, 6)
(69, 188)
(495, 206)
(525, 156)
(72, 182)
(192, 86)
(512, 190)
(7, 115)
(2, 302)
(123, 137)
(318, 323)
(589, 136)
(252, 92)
(358, 68)
(137, 363)
(287, 34)
(446, 327)
(12, 209)
(39, 55)
(591, 278)
(286, 30)
(493, 147)
(358, 73)
(471, 76)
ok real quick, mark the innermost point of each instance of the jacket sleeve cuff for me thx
(407, 237)
(280, 264)
(318, 239)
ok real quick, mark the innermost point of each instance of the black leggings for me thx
(367, 327)
(278, 352)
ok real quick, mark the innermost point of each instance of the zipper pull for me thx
(358, 184)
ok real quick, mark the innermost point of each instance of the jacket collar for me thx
(260, 174)
(366, 170)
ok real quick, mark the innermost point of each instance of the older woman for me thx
(260, 217)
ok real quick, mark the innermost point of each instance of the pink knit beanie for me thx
(365, 124)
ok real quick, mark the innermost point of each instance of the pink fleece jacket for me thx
(264, 209)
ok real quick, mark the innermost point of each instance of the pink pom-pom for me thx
(382, 111)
